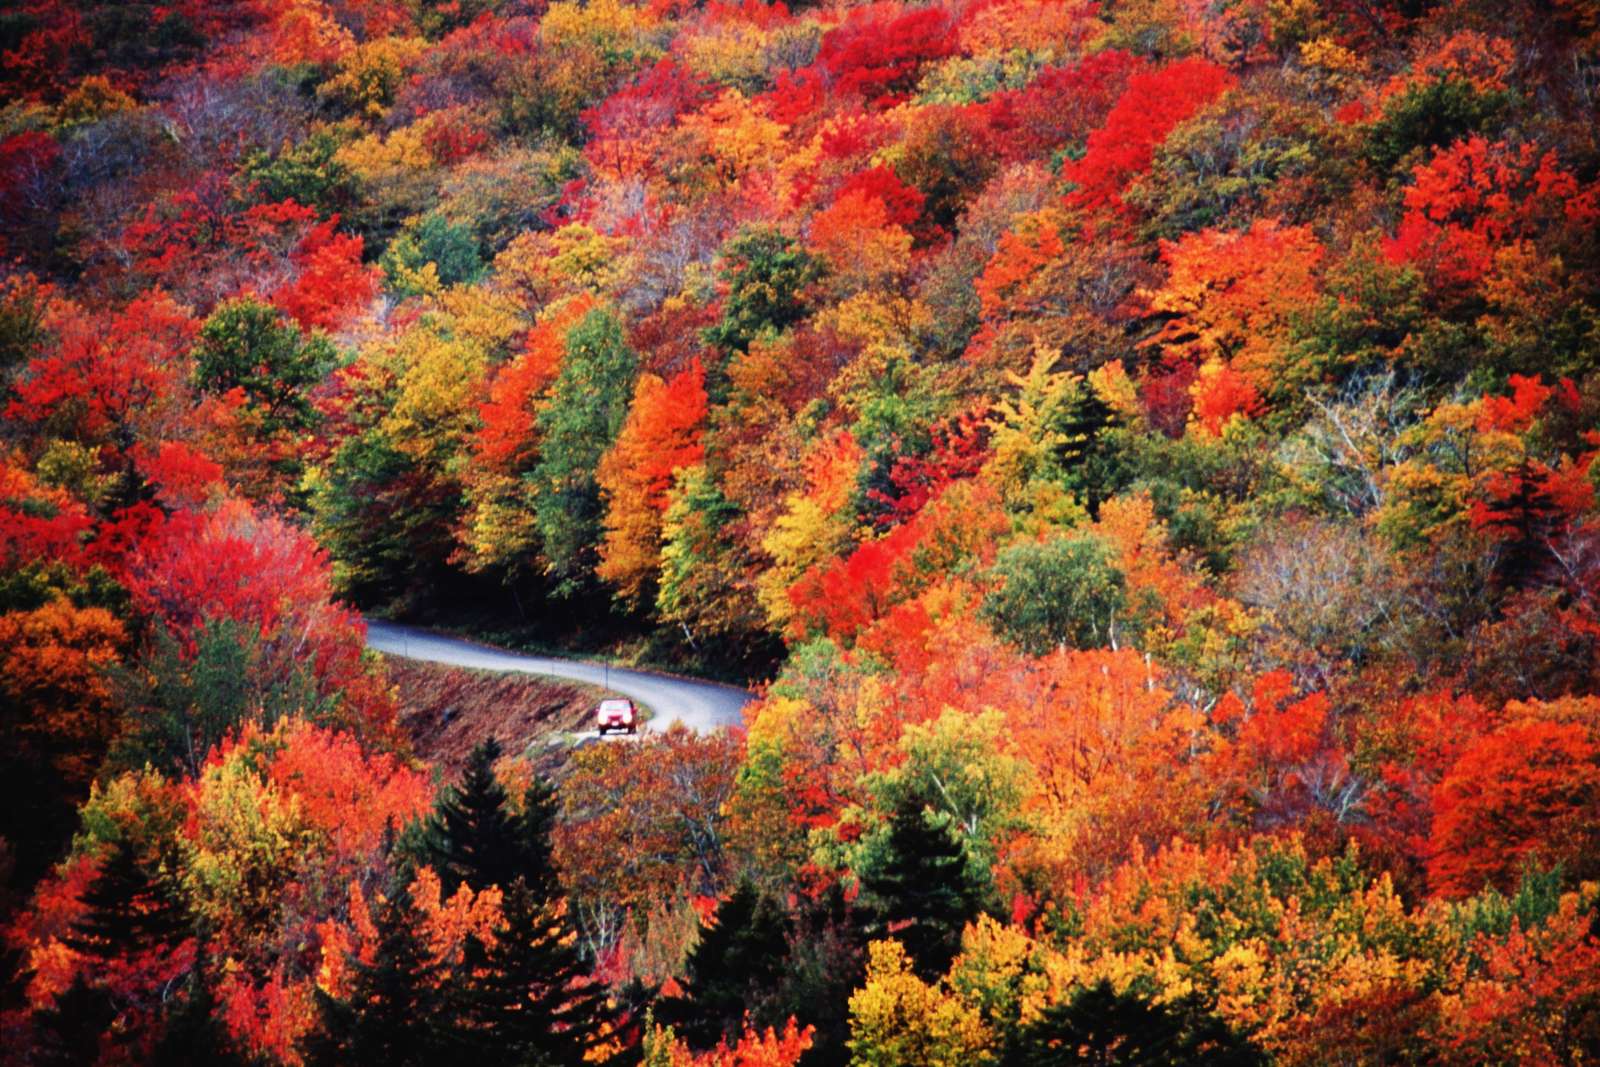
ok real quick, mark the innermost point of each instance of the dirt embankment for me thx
(449, 710)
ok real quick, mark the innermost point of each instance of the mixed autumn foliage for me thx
(1143, 451)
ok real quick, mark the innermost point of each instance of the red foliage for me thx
(1530, 789)
(1514, 413)
(108, 371)
(450, 139)
(664, 431)
(959, 450)
(794, 96)
(851, 593)
(878, 50)
(332, 284)
(180, 475)
(1221, 392)
(1154, 103)
(1277, 755)
(756, 1048)
(36, 522)
(1059, 107)
(506, 438)
(256, 570)
(622, 128)
(28, 161)
(902, 204)
(198, 241)
(1473, 197)
(1166, 393)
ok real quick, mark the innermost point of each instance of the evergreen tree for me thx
(397, 1011)
(475, 837)
(529, 999)
(194, 1036)
(128, 912)
(69, 1032)
(924, 894)
(1100, 1026)
(826, 963)
(131, 916)
(737, 966)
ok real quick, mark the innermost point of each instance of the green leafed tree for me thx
(736, 967)
(587, 406)
(1062, 592)
(387, 522)
(249, 345)
(766, 274)
(182, 703)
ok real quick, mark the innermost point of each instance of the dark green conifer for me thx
(128, 911)
(529, 999)
(69, 1032)
(475, 837)
(194, 1036)
(1100, 1026)
(737, 966)
(923, 892)
(397, 1011)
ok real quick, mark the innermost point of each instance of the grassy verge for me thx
(449, 710)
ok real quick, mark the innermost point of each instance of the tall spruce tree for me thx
(475, 837)
(70, 1031)
(194, 1036)
(921, 890)
(131, 916)
(397, 1011)
(529, 1000)
(1100, 1026)
(738, 965)
(128, 911)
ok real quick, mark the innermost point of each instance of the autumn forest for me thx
(1139, 455)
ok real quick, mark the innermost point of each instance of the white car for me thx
(617, 714)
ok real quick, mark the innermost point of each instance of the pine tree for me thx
(529, 1000)
(826, 963)
(70, 1031)
(925, 895)
(131, 916)
(475, 838)
(127, 911)
(1102, 1026)
(472, 837)
(738, 963)
(194, 1036)
(396, 1011)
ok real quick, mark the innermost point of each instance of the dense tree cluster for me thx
(1144, 449)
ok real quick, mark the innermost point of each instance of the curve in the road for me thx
(701, 706)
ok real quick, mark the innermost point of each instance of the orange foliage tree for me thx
(660, 437)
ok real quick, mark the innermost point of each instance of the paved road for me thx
(701, 706)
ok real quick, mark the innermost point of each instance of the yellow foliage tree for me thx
(898, 1020)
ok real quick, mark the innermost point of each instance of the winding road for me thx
(701, 706)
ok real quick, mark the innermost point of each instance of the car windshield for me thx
(614, 705)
